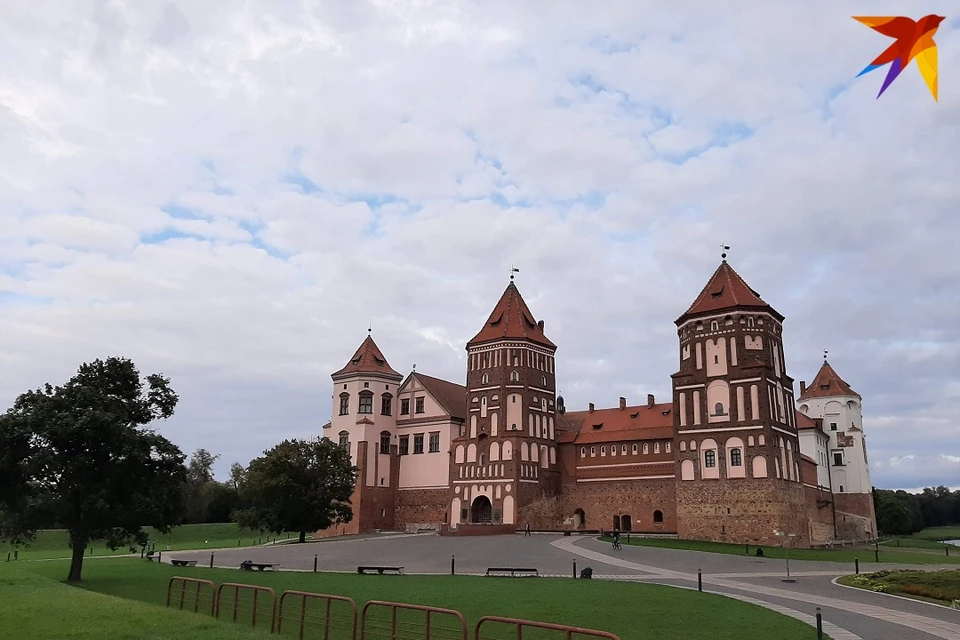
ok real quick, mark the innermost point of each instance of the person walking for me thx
(526, 531)
(616, 539)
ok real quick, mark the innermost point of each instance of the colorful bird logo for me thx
(914, 40)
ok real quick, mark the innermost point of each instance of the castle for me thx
(733, 456)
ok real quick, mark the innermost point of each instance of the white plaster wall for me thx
(846, 411)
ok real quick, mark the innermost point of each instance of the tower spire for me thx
(825, 355)
(513, 270)
(723, 251)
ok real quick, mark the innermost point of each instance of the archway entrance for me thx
(579, 519)
(482, 511)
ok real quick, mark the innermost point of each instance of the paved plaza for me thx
(849, 614)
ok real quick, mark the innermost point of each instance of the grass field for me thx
(27, 614)
(938, 533)
(933, 554)
(941, 587)
(54, 543)
(633, 611)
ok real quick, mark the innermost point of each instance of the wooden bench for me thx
(259, 566)
(380, 570)
(184, 563)
(512, 571)
(153, 555)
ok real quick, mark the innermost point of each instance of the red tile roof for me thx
(827, 384)
(726, 290)
(511, 318)
(806, 422)
(368, 359)
(807, 458)
(451, 396)
(640, 422)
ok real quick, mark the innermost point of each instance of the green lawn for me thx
(39, 608)
(938, 533)
(893, 555)
(633, 611)
(54, 543)
(942, 587)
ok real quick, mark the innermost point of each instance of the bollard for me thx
(159, 557)
(947, 549)
(628, 537)
(877, 553)
(211, 560)
(574, 569)
(314, 563)
(856, 564)
(819, 625)
(453, 565)
(699, 581)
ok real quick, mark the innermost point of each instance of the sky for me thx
(231, 193)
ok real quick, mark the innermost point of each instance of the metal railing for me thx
(256, 589)
(402, 630)
(330, 618)
(196, 598)
(569, 632)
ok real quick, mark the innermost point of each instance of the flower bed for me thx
(942, 587)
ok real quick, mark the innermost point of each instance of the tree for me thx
(80, 457)
(200, 487)
(200, 469)
(297, 486)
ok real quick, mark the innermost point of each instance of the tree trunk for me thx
(76, 561)
(303, 536)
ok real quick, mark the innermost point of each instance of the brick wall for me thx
(856, 518)
(742, 511)
(819, 506)
(421, 508)
(601, 501)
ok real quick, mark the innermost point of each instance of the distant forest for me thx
(902, 513)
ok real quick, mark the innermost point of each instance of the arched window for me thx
(736, 458)
(386, 404)
(634, 448)
(750, 322)
(583, 452)
(344, 439)
(714, 326)
(646, 448)
(658, 516)
(710, 459)
(603, 450)
(366, 402)
(613, 450)
(344, 404)
(656, 447)
(718, 409)
(623, 449)
(484, 379)
(593, 451)
(384, 442)
(668, 447)
(514, 376)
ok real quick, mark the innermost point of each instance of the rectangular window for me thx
(736, 459)
(833, 426)
(405, 407)
(385, 443)
(419, 405)
(344, 439)
(366, 403)
(404, 445)
(435, 442)
(838, 459)
(418, 443)
(386, 406)
(344, 404)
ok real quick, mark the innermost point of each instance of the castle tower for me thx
(737, 451)
(364, 420)
(830, 398)
(506, 456)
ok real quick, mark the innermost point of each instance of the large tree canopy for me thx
(79, 457)
(297, 486)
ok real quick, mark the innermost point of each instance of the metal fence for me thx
(200, 584)
(328, 624)
(429, 623)
(251, 608)
(517, 626)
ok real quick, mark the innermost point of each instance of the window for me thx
(344, 439)
(405, 407)
(404, 445)
(543, 380)
(749, 322)
(514, 376)
(736, 458)
(344, 404)
(841, 488)
(833, 426)
(716, 359)
(668, 447)
(484, 379)
(709, 459)
(714, 326)
(366, 385)
(838, 459)
(366, 402)
(718, 409)
(386, 404)
(658, 516)
(593, 451)
(646, 448)
(603, 450)
(583, 452)
(613, 450)
(419, 405)
(418, 443)
(634, 448)
(435, 442)
(656, 447)
(384, 442)
(463, 430)
(623, 450)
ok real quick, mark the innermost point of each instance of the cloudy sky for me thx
(231, 192)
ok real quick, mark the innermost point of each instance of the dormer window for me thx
(598, 426)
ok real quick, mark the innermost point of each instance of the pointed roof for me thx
(368, 360)
(827, 384)
(726, 290)
(449, 395)
(511, 318)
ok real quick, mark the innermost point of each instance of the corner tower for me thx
(364, 421)
(737, 451)
(505, 461)
(830, 398)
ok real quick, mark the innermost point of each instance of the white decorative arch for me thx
(544, 457)
(506, 452)
(524, 452)
(494, 424)
(473, 426)
(534, 453)
(735, 458)
(759, 467)
(455, 511)
(494, 452)
(686, 470)
(708, 472)
(472, 453)
(458, 456)
(508, 510)
(553, 455)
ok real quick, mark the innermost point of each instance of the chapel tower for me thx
(506, 456)
(737, 451)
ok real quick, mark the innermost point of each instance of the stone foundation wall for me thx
(856, 518)
(421, 508)
(819, 515)
(746, 510)
(639, 499)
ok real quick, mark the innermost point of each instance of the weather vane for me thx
(824, 355)
(724, 248)
(513, 270)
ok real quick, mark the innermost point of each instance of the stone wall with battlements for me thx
(638, 499)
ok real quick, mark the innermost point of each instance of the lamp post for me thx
(786, 552)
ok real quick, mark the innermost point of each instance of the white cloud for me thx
(231, 193)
